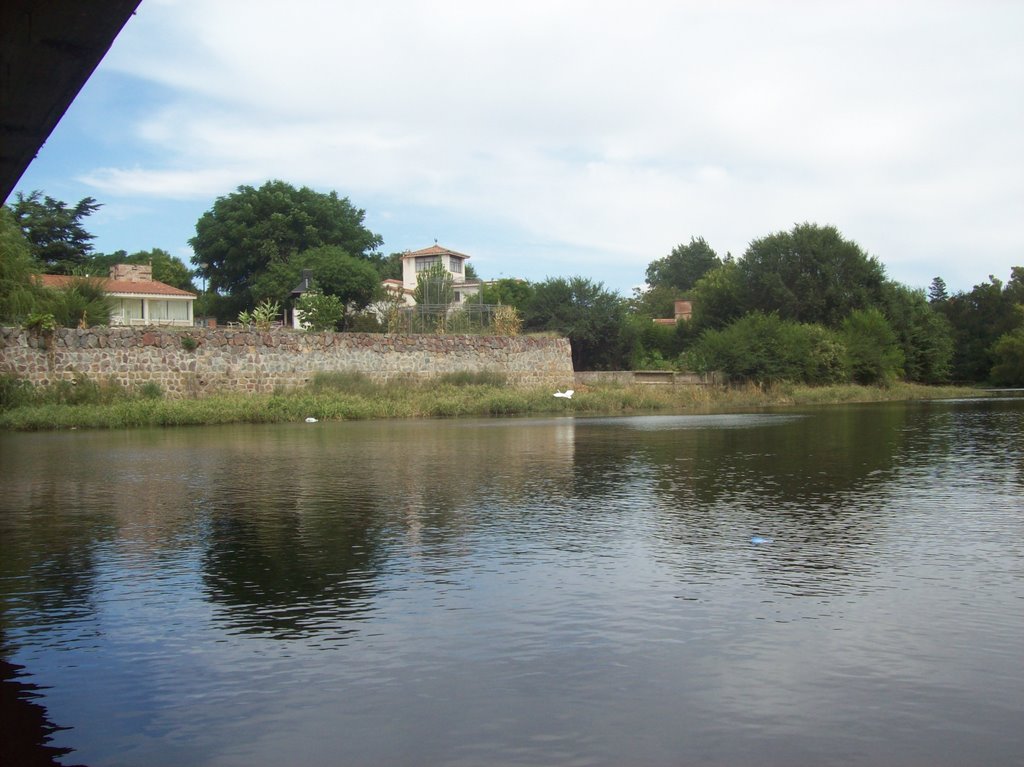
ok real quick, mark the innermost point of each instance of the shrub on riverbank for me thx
(344, 396)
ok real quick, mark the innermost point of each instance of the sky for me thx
(556, 138)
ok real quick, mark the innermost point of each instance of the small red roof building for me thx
(137, 298)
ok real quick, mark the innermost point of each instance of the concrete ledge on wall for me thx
(198, 361)
(655, 377)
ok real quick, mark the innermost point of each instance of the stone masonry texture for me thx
(250, 360)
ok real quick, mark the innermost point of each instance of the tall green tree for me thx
(937, 292)
(810, 274)
(719, 297)
(319, 311)
(353, 281)
(1015, 286)
(390, 266)
(592, 317)
(681, 268)
(979, 317)
(245, 232)
(767, 349)
(924, 334)
(654, 301)
(656, 346)
(873, 350)
(434, 287)
(19, 291)
(1008, 359)
(507, 291)
(54, 230)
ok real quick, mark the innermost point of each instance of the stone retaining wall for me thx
(261, 361)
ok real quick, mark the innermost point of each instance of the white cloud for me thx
(620, 128)
(160, 183)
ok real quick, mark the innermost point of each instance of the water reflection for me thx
(300, 530)
(294, 568)
(529, 591)
(810, 481)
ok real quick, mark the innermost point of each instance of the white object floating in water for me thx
(567, 394)
(311, 419)
(758, 539)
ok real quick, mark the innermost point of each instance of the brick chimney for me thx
(132, 272)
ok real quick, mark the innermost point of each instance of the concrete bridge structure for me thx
(48, 50)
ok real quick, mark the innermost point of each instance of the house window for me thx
(456, 265)
(168, 310)
(423, 263)
(131, 309)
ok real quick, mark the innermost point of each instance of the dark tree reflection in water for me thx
(523, 591)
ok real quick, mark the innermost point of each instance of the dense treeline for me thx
(806, 306)
(988, 329)
(810, 295)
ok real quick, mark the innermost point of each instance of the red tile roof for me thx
(119, 287)
(433, 250)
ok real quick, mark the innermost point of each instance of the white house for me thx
(416, 261)
(137, 298)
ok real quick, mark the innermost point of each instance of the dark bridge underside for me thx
(48, 49)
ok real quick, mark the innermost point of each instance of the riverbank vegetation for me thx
(805, 306)
(336, 397)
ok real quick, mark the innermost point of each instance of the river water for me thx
(841, 585)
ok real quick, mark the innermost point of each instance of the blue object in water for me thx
(757, 539)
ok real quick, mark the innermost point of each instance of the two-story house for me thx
(416, 262)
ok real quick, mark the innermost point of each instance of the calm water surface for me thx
(524, 592)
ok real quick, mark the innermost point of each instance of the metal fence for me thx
(443, 318)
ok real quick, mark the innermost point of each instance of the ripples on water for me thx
(556, 591)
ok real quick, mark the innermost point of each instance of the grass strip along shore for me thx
(342, 396)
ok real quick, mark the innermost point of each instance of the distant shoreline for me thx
(356, 399)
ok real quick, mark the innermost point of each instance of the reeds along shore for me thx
(88, 404)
